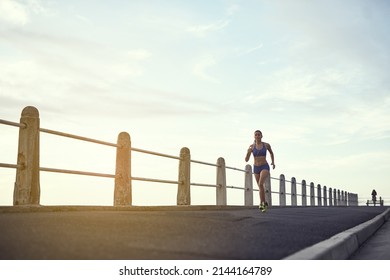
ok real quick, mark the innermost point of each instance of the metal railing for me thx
(27, 185)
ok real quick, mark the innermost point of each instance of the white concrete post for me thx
(184, 186)
(312, 197)
(351, 200)
(293, 191)
(338, 198)
(304, 198)
(122, 188)
(325, 196)
(345, 198)
(282, 190)
(27, 183)
(248, 193)
(319, 196)
(221, 182)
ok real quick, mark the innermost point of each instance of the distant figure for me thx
(373, 194)
(260, 166)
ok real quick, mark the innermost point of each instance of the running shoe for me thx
(265, 207)
(262, 207)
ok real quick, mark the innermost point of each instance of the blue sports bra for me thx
(259, 153)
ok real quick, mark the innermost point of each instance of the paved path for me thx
(376, 247)
(344, 244)
(193, 232)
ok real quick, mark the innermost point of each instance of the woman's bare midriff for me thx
(260, 161)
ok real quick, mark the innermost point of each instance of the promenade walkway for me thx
(377, 247)
(189, 232)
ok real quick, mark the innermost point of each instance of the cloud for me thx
(13, 12)
(250, 50)
(232, 9)
(356, 161)
(138, 54)
(331, 101)
(290, 85)
(72, 92)
(324, 32)
(203, 30)
(84, 19)
(19, 13)
(201, 68)
(70, 59)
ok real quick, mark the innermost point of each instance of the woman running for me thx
(260, 167)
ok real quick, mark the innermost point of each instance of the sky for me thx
(313, 76)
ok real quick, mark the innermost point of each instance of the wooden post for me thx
(312, 198)
(338, 198)
(123, 188)
(248, 194)
(27, 184)
(319, 196)
(351, 200)
(342, 198)
(325, 196)
(293, 191)
(330, 197)
(335, 197)
(304, 198)
(282, 190)
(184, 187)
(221, 182)
(268, 190)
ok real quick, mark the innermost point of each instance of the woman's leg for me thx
(262, 177)
(257, 176)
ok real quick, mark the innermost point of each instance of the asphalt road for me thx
(104, 233)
